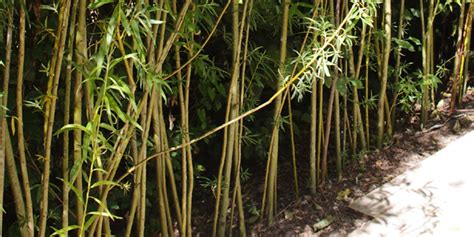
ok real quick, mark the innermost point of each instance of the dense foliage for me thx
(118, 116)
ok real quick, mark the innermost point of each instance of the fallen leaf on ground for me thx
(344, 194)
(323, 223)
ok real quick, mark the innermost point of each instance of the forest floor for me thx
(328, 214)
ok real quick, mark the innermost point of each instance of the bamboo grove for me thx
(118, 117)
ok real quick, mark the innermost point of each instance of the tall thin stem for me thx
(21, 137)
(384, 75)
(4, 101)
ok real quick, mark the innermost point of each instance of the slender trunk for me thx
(21, 139)
(398, 56)
(228, 154)
(67, 111)
(337, 137)
(458, 57)
(237, 192)
(358, 124)
(358, 128)
(187, 174)
(133, 207)
(313, 140)
(327, 131)
(366, 99)
(189, 157)
(4, 101)
(271, 189)
(320, 131)
(384, 76)
(467, 51)
(427, 64)
(293, 147)
(81, 57)
(146, 124)
(337, 108)
(427, 51)
(53, 85)
(313, 181)
(15, 183)
(159, 135)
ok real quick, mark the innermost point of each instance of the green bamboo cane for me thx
(4, 101)
(53, 84)
(21, 136)
(384, 75)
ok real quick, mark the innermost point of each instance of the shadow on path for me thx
(432, 199)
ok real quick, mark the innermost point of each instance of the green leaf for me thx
(99, 3)
(63, 231)
(73, 175)
(202, 117)
(125, 23)
(104, 182)
(357, 83)
(89, 221)
(404, 44)
(75, 190)
(70, 127)
(53, 8)
(106, 41)
(415, 40)
(103, 213)
(341, 86)
(155, 22)
(415, 12)
(211, 93)
(106, 211)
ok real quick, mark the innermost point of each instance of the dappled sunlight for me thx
(434, 198)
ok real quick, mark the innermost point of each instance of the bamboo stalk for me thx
(269, 101)
(133, 205)
(313, 139)
(228, 154)
(466, 51)
(183, 219)
(398, 56)
(366, 98)
(21, 137)
(237, 192)
(67, 113)
(327, 131)
(53, 84)
(15, 184)
(384, 75)
(313, 149)
(160, 168)
(458, 58)
(81, 57)
(4, 101)
(337, 137)
(273, 153)
(166, 160)
(320, 132)
(359, 124)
